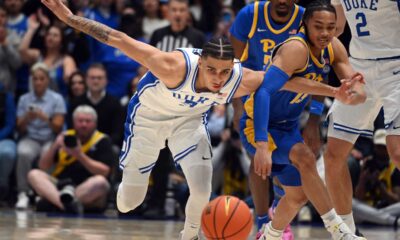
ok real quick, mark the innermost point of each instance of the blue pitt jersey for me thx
(255, 26)
(285, 106)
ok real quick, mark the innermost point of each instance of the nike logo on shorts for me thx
(205, 158)
(396, 72)
(261, 30)
(394, 127)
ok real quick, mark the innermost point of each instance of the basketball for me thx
(228, 218)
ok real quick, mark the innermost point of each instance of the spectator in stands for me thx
(76, 86)
(178, 34)
(81, 156)
(120, 68)
(3, 15)
(105, 12)
(377, 193)
(40, 117)
(54, 55)
(10, 60)
(108, 109)
(17, 25)
(152, 18)
(7, 145)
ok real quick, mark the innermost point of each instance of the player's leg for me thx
(143, 140)
(197, 167)
(388, 85)
(305, 161)
(346, 123)
(289, 203)
(337, 177)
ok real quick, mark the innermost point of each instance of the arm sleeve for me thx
(241, 27)
(335, 2)
(274, 79)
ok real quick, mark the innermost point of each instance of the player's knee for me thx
(129, 197)
(304, 159)
(297, 200)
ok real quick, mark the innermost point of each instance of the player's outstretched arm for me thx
(161, 64)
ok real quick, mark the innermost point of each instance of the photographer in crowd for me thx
(81, 160)
(377, 192)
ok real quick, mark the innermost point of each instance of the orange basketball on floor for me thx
(227, 218)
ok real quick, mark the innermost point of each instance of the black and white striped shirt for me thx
(167, 40)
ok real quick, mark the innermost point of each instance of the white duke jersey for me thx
(375, 27)
(184, 100)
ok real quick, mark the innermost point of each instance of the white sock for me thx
(349, 220)
(331, 219)
(190, 230)
(272, 233)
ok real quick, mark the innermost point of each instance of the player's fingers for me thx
(256, 167)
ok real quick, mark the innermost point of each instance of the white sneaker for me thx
(23, 201)
(193, 238)
(342, 232)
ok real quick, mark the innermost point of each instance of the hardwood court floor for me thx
(28, 225)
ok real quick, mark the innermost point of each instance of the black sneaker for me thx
(74, 207)
(45, 206)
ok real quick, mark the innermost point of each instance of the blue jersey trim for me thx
(188, 69)
(148, 81)
(355, 129)
(366, 133)
(228, 100)
(184, 153)
(194, 79)
(147, 168)
(129, 127)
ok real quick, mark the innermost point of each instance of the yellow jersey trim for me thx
(315, 59)
(245, 53)
(255, 20)
(331, 53)
(296, 11)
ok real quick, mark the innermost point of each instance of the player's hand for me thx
(346, 93)
(262, 160)
(58, 8)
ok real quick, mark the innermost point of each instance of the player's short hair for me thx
(318, 5)
(85, 109)
(219, 48)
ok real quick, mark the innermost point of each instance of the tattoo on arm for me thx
(97, 30)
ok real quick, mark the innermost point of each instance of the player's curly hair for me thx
(219, 48)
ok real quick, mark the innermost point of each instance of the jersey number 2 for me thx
(361, 32)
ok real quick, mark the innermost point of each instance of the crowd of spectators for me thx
(57, 82)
